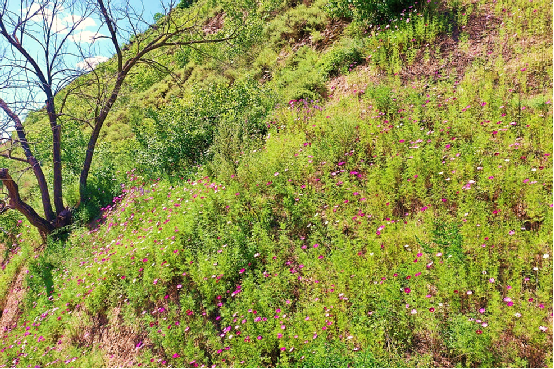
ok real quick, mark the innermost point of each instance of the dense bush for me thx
(379, 11)
(180, 135)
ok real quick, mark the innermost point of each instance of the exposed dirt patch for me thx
(11, 309)
(214, 24)
(446, 58)
(332, 31)
(426, 343)
(509, 345)
(120, 343)
(340, 86)
(449, 55)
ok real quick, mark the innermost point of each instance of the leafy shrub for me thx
(340, 58)
(180, 135)
(184, 4)
(295, 24)
(367, 10)
(303, 77)
(10, 226)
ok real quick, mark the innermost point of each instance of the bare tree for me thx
(39, 41)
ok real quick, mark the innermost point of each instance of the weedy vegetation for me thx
(363, 184)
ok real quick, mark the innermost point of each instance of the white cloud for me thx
(85, 37)
(59, 25)
(83, 22)
(91, 63)
(43, 14)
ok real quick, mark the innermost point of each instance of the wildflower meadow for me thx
(363, 186)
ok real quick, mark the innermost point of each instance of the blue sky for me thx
(85, 45)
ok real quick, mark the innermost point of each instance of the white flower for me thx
(545, 256)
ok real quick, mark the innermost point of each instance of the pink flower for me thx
(241, 271)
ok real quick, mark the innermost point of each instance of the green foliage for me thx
(376, 11)
(302, 79)
(10, 226)
(295, 25)
(184, 4)
(339, 354)
(182, 134)
(342, 58)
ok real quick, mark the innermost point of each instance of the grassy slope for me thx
(405, 221)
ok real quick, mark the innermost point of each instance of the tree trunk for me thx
(33, 162)
(16, 203)
(56, 155)
(99, 121)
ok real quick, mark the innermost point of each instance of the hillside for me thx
(335, 191)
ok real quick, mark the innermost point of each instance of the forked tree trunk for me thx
(16, 203)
